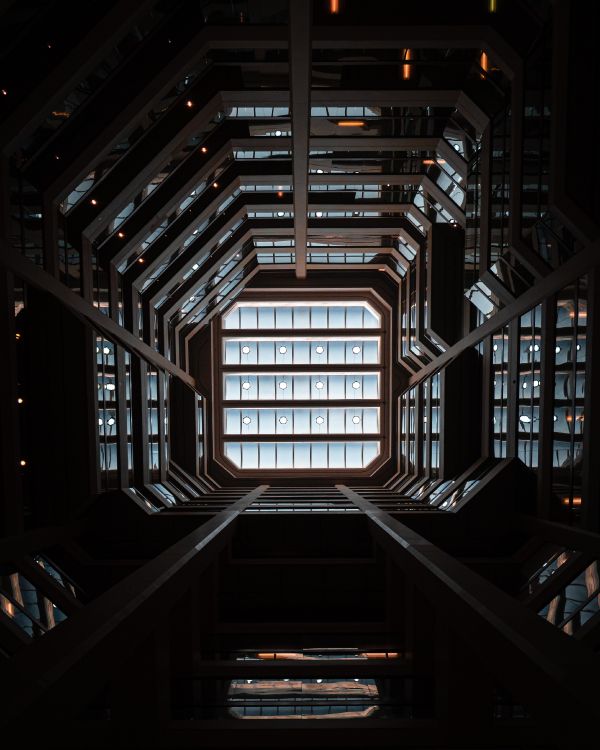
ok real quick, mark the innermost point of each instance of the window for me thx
(302, 384)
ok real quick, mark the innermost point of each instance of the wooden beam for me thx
(300, 94)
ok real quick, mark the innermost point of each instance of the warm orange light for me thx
(569, 418)
(189, 103)
(22, 462)
(215, 184)
(94, 202)
(484, 64)
(19, 401)
(280, 193)
(334, 6)
(4, 92)
(17, 336)
(120, 235)
(407, 56)
(567, 501)
(351, 123)
(280, 655)
(441, 161)
(492, 6)
(428, 162)
(141, 260)
(379, 655)
(204, 149)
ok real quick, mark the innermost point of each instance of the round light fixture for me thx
(282, 349)
(106, 350)
(110, 421)
(320, 349)
(246, 420)
(319, 385)
(356, 420)
(283, 385)
(356, 350)
(319, 420)
(356, 385)
(283, 420)
(245, 385)
(245, 350)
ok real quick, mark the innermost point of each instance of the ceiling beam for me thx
(300, 72)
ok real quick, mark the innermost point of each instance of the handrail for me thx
(553, 675)
(48, 673)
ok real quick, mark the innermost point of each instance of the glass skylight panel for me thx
(271, 351)
(275, 258)
(321, 421)
(287, 386)
(257, 112)
(302, 316)
(240, 154)
(308, 455)
(296, 374)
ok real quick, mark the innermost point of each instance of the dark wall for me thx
(58, 418)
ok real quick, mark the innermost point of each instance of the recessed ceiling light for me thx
(356, 385)
(319, 420)
(356, 420)
(283, 385)
(283, 420)
(282, 349)
(319, 349)
(319, 385)
(246, 420)
(245, 385)
(245, 350)
(356, 349)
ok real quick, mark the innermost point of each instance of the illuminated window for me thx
(302, 384)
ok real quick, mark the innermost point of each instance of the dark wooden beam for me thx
(300, 79)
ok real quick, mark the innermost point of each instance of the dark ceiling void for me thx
(300, 354)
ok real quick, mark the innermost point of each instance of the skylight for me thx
(294, 400)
